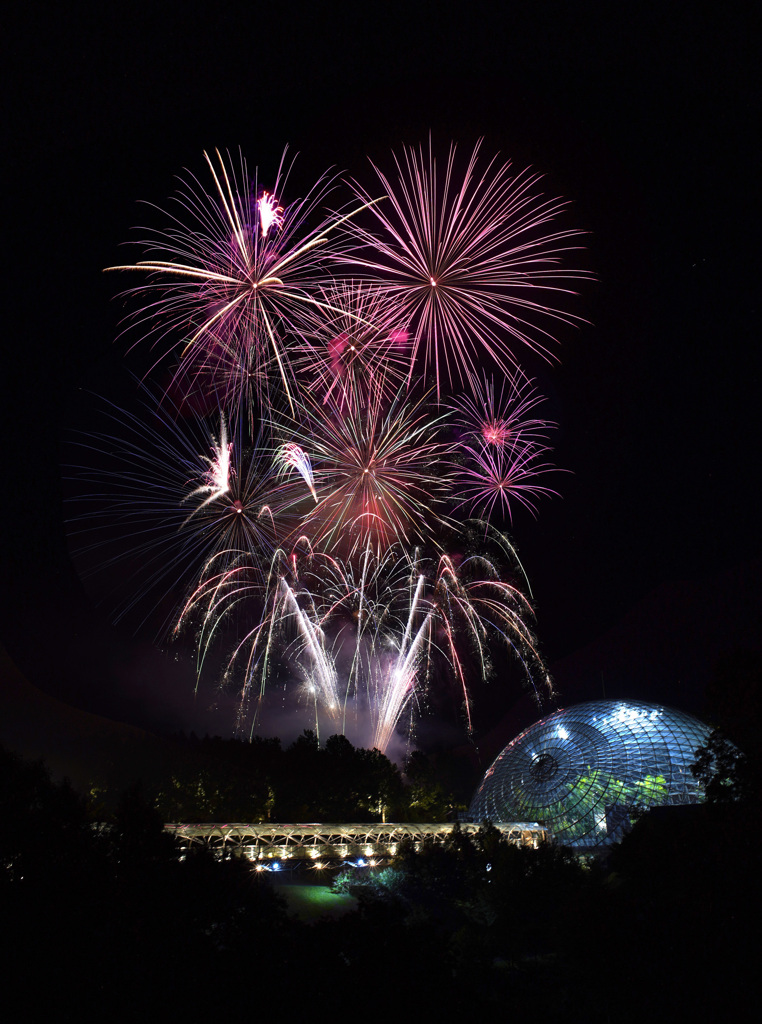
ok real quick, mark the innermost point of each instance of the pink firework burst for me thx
(472, 261)
(496, 478)
(377, 471)
(233, 279)
(361, 348)
(502, 416)
(503, 445)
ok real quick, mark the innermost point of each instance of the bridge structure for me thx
(319, 846)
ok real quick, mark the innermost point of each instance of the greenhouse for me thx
(588, 771)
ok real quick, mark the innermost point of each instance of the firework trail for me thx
(175, 507)
(322, 674)
(291, 456)
(401, 675)
(448, 602)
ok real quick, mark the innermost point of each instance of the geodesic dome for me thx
(585, 772)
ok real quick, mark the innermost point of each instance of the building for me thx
(588, 771)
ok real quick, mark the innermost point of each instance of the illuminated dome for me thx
(587, 771)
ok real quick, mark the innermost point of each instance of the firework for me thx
(365, 633)
(307, 520)
(503, 447)
(235, 276)
(217, 477)
(473, 596)
(270, 214)
(400, 675)
(361, 349)
(444, 600)
(500, 416)
(291, 456)
(321, 674)
(175, 507)
(495, 478)
(283, 624)
(376, 471)
(469, 260)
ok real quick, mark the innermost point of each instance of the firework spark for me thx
(269, 213)
(217, 477)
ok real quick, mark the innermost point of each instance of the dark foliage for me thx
(729, 765)
(34, 810)
(725, 772)
(212, 779)
(109, 922)
(429, 797)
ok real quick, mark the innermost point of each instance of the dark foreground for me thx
(108, 924)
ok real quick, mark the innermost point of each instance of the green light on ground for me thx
(311, 902)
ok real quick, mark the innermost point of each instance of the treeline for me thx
(210, 779)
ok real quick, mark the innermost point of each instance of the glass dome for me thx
(586, 772)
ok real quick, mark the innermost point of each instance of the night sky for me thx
(646, 116)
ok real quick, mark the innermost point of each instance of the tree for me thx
(722, 769)
(45, 831)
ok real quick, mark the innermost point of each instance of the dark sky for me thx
(645, 115)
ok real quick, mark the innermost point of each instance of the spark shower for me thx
(346, 431)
